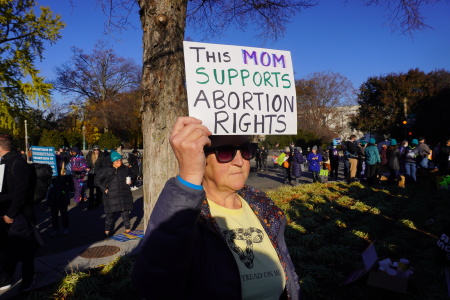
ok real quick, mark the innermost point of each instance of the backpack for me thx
(323, 176)
(411, 153)
(41, 178)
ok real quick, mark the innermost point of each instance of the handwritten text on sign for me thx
(241, 90)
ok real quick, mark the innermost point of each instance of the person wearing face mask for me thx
(210, 236)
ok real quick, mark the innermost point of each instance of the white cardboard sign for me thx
(2, 175)
(238, 90)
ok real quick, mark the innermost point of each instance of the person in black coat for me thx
(393, 157)
(264, 155)
(333, 154)
(17, 231)
(58, 198)
(352, 156)
(297, 162)
(95, 161)
(258, 159)
(133, 161)
(115, 182)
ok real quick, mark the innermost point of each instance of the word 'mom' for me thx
(265, 59)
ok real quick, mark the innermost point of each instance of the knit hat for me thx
(393, 142)
(287, 149)
(115, 156)
(414, 142)
(363, 142)
(372, 141)
(314, 148)
(96, 147)
(75, 149)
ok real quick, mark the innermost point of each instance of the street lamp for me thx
(84, 137)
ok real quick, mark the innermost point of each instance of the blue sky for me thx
(350, 39)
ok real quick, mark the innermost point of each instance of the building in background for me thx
(338, 121)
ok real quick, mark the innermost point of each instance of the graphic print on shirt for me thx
(250, 236)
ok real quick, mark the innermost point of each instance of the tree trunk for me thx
(163, 91)
(105, 123)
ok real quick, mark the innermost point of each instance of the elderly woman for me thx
(210, 236)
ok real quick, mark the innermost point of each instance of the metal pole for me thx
(84, 137)
(405, 107)
(26, 141)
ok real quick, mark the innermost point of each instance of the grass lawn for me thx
(329, 225)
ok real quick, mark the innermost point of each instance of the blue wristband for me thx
(191, 185)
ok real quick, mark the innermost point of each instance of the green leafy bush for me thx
(51, 138)
(74, 139)
(108, 140)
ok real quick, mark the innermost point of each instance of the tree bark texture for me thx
(163, 91)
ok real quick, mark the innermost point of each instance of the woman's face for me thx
(226, 176)
(117, 163)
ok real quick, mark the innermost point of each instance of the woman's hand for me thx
(7, 219)
(188, 137)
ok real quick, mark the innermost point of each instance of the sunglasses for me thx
(227, 153)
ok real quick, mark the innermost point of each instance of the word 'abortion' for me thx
(260, 101)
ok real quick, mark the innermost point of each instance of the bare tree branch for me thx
(404, 15)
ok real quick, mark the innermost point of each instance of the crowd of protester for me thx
(100, 173)
(366, 161)
(400, 162)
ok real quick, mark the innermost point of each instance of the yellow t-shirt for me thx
(262, 276)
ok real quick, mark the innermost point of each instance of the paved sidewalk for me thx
(61, 254)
